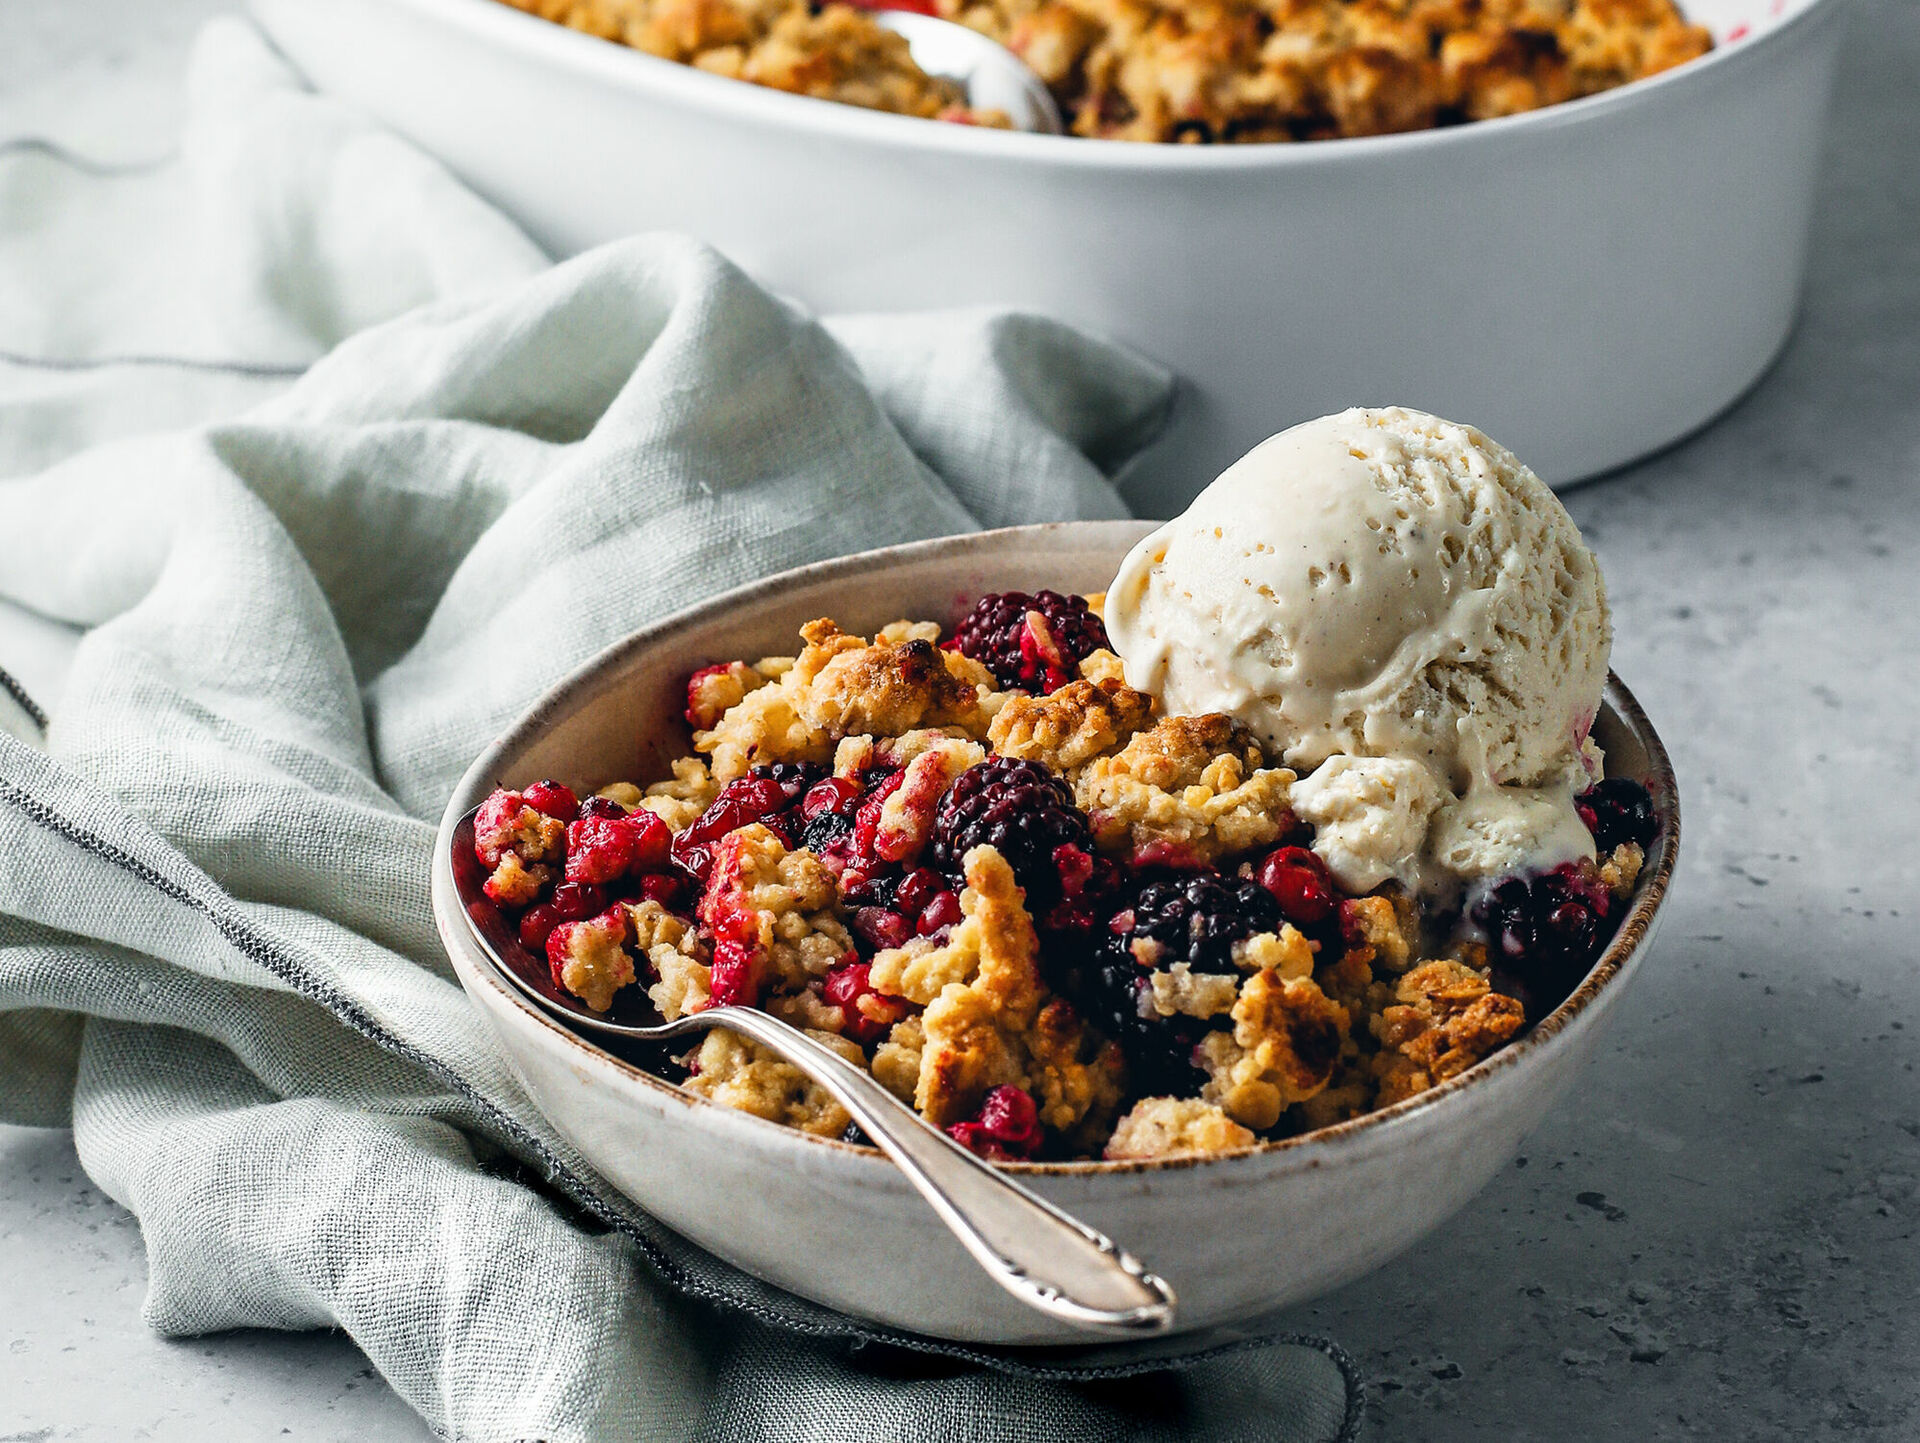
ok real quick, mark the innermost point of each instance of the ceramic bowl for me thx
(1587, 282)
(836, 1223)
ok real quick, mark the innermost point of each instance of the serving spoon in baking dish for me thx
(993, 77)
(1049, 1260)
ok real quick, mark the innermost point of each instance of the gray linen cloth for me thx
(333, 501)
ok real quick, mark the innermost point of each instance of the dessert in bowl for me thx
(996, 885)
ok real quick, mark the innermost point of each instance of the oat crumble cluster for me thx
(1186, 70)
(1056, 922)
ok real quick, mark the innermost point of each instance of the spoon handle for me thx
(1048, 1260)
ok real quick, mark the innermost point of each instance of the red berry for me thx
(1007, 1127)
(881, 929)
(669, 890)
(835, 794)
(571, 902)
(942, 911)
(537, 925)
(605, 807)
(916, 890)
(495, 825)
(1299, 881)
(730, 981)
(605, 849)
(765, 795)
(843, 987)
(554, 799)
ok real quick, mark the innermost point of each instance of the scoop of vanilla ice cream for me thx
(1370, 817)
(1381, 584)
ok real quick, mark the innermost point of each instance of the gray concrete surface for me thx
(1715, 1236)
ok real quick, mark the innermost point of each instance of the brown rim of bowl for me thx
(1649, 892)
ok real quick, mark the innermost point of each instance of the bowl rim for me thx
(717, 95)
(1628, 942)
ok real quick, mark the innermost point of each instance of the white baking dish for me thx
(1587, 282)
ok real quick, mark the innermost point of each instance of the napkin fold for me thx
(337, 473)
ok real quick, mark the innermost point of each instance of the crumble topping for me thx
(1115, 916)
(1068, 728)
(737, 1072)
(1174, 1127)
(1185, 792)
(1185, 71)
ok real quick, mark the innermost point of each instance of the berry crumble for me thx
(1058, 922)
(1182, 71)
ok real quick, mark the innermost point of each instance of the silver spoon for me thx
(993, 77)
(1050, 1261)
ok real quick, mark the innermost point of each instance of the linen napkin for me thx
(337, 473)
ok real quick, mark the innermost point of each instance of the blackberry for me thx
(1196, 920)
(1544, 932)
(1020, 809)
(997, 634)
(1615, 811)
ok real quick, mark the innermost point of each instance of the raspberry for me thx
(916, 890)
(1006, 1129)
(730, 979)
(1196, 920)
(1001, 633)
(1299, 881)
(939, 915)
(554, 799)
(882, 928)
(765, 795)
(697, 712)
(1615, 811)
(851, 854)
(1020, 809)
(605, 849)
(1544, 932)
(571, 902)
(866, 1021)
(589, 958)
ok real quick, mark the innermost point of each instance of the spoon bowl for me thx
(993, 77)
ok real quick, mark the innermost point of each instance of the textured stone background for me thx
(1715, 1236)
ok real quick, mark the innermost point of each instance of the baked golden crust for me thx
(989, 1019)
(845, 686)
(836, 54)
(594, 963)
(1069, 727)
(1445, 1017)
(1174, 1127)
(676, 958)
(1186, 791)
(736, 1072)
(1285, 1041)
